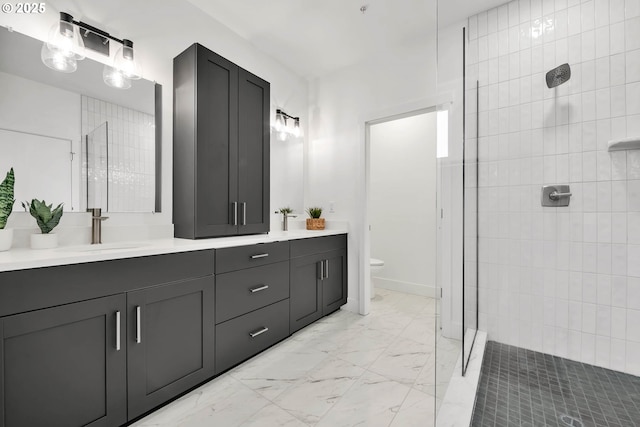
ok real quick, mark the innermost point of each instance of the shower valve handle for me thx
(555, 195)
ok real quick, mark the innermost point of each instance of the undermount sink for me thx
(100, 247)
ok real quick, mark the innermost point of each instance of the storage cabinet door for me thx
(216, 158)
(334, 283)
(170, 339)
(62, 367)
(253, 147)
(305, 291)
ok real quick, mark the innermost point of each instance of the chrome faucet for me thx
(285, 220)
(96, 225)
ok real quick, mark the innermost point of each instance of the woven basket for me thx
(315, 223)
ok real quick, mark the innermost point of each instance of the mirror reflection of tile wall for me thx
(130, 184)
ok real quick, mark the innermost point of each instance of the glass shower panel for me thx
(96, 167)
(470, 179)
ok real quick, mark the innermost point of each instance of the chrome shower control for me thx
(556, 195)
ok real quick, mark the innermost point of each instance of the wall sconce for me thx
(68, 40)
(283, 131)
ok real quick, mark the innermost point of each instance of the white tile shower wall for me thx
(564, 281)
(131, 136)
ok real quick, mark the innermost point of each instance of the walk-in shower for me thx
(558, 286)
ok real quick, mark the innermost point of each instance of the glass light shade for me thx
(115, 78)
(280, 125)
(57, 59)
(64, 37)
(297, 132)
(125, 62)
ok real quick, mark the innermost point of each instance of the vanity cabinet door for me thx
(170, 337)
(253, 153)
(334, 282)
(65, 366)
(305, 291)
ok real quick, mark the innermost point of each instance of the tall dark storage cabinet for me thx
(220, 147)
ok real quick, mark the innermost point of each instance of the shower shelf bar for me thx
(632, 143)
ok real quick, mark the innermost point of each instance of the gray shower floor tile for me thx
(521, 387)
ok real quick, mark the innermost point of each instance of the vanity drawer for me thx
(237, 258)
(242, 291)
(317, 245)
(242, 337)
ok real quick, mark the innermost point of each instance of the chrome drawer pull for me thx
(235, 213)
(138, 327)
(258, 332)
(259, 256)
(117, 331)
(244, 213)
(259, 288)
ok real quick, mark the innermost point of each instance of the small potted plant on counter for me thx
(47, 220)
(6, 205)
(314, 222)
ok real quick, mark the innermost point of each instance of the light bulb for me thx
(280, 125)
(58, 60)
(115, 78)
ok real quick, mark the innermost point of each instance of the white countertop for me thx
(22, 259)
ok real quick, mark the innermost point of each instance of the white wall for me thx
(403, 202)
(340, 104)
(34, 115)
(161, 30)
(564, 281)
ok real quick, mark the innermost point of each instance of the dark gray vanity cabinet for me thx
(170, 341)
(65, 366)
(220, 147)
(318, 278)
(75, 350)
(252, 301)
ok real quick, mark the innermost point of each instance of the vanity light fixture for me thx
(283, 131)
(68, 40)
(64, 46)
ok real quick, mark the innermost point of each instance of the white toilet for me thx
(377, 265)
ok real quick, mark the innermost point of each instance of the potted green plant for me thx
(47, 220)
(6, 206)
(314, 222)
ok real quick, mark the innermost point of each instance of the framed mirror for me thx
(71, 138)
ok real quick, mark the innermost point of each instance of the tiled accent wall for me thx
(131, 136)
(565, 281)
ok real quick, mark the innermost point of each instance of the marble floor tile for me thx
(418, 409)
(373, 401)
(313, 396)
(224, 401)
(273, 416)
(403, 360)
(344, 370)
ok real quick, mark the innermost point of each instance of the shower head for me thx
(558, 76)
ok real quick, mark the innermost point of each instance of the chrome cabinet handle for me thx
(258, 332)
(326, 268)
(259, 256)
(235, 213)
(244, 213)
(259, 288)
(555, 195)
(117, 331)
(321, 270)
(138, 327)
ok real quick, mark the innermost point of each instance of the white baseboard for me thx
(406, 287)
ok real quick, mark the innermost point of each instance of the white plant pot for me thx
(44, 241)
(6, 239)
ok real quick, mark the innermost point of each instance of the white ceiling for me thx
(314, 38)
